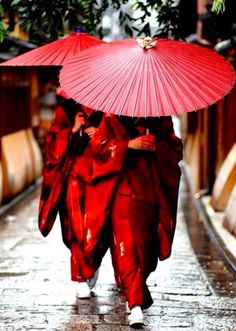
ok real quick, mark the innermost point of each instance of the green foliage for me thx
(3, 27)
(166, 16)
(46, 20)
(218, 6)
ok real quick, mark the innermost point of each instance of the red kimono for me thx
(66, 174)
(134, 194)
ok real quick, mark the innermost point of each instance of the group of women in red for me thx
(114, 182)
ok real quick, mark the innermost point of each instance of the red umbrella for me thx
(147, 78)
(55, 53)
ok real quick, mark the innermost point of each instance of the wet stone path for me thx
(192, 290)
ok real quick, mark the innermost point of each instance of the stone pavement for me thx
(192, 290)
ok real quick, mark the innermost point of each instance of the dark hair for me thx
(71, 108)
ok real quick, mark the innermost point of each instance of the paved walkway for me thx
(191, 291)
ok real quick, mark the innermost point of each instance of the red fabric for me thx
(73, 228)
(67, 170)
(133, 247)
(138, 190)
(60, 161)
(57, 165)
(109, 155)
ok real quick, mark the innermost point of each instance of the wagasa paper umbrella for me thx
(56, 52)
(147, 77)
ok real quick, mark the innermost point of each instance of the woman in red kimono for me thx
(135, 188)
(66, 174)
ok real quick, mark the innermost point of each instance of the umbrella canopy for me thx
(55, 53)
(147, 77)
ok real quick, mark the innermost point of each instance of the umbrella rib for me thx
(198, 79)
(168, 79)
(99, 77)
(122, 85)
(186, 87)
(56, 52)
(181, 80)
(189, 82)
(163, 87)
(128, 87)
(190, 54)
(154, 84)
(198, 62)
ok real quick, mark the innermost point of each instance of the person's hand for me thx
(146, 142)
(79, 122)
(90, 131)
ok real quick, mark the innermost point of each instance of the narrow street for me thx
(193, 290)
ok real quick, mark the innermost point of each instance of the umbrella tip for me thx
(80, 29)
(146, 42)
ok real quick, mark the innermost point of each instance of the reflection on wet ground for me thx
(192, 290)
(221, 280)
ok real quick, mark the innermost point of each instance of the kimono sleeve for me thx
(56, 167)
(108, 149)
(57, 138)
